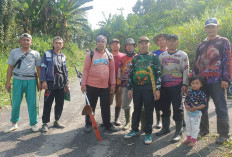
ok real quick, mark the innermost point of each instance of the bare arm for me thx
(8, 76)
(38, 69)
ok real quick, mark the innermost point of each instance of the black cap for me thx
(115, 41)
(155, 39)
(172, 36)
(143, 38)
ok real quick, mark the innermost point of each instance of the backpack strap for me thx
(108, 55)
(91, 55)
(106, 51)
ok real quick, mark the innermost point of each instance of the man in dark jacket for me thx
(54, 77)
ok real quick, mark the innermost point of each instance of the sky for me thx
(107, 6)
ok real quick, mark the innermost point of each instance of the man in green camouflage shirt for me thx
(145, 80)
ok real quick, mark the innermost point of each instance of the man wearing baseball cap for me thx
(122, 79)
(175, 69)
(23, 64)
(144, 79)
(213, 62)
(115, 47)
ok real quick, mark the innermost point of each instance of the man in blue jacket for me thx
(54, 77)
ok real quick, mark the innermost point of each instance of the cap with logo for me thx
(172, 36)
(26, 35)
(211, 21)
(143, 38)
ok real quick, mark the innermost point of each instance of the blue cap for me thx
(211, 21)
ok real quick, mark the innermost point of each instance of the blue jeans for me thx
(217, 93)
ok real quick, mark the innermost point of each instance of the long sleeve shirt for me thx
(195, 98)
(100, 72)
(213, 60)
(123, 70)
(175, 68)
(139, 73)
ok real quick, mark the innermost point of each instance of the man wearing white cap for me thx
(213, 62)
(23, 63)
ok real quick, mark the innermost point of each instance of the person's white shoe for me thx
(35, 128)
(13, 127)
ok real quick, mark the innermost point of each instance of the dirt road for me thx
(72, 141)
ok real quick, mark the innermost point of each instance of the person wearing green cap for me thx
(144, 80)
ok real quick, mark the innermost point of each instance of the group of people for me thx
(154, 80)
(158, 79)
(25, 65)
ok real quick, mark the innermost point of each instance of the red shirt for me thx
(117, 58)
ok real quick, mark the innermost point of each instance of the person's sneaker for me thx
(111, 129)
(221, 139)
(44, 128)
(148, 138)
(88, 128)
(131, 134)
(35, 128)
(57, 124)
(13, 127)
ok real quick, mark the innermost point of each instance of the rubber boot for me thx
(184, 124)
(158, 124)
(117, 113)
(165, 128)
(142, 120)
(178, 134)
(127, 126)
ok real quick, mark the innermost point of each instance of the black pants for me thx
(172, 95)
(93, 93)
(49, 96)
(158, 105)
(143, 95)
(217, 93)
